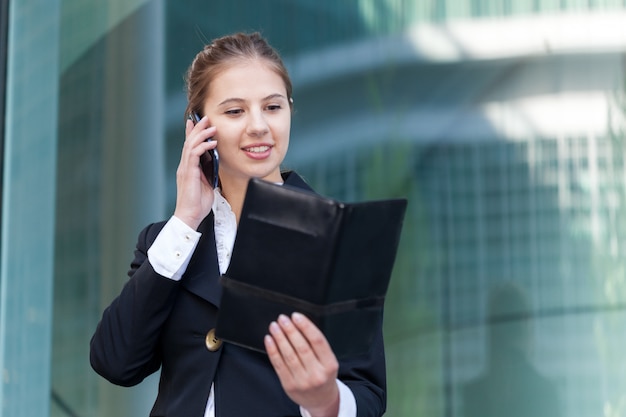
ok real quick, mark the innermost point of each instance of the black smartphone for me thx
(210, 160)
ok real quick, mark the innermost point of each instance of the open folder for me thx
(298, 251)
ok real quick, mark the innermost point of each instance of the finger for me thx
(282, 332)
(276, 357)
(192, 138)
(188, 127)
(200, 135)
(192, 129)
(299, 340)
(196, 144)
(311, 370)
(316, 341)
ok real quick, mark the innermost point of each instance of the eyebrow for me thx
(239, 100)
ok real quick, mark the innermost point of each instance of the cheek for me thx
(283, 128)
(227, 134)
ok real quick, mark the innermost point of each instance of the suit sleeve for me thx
(365, 375)
(125, 346)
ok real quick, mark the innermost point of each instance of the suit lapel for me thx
(294, 180)
(202, 275)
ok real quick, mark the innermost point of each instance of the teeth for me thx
(257, 149)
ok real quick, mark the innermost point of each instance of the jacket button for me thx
(212, 342)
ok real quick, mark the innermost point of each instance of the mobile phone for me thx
(210, 160)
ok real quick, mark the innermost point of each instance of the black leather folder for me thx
(298, 251)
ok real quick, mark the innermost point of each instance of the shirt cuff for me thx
(347, 402)
(171, 251)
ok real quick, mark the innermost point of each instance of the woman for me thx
(165, 315)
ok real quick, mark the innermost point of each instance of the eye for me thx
(274, 107)
(234, 112)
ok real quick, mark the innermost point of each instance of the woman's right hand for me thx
(194, 194)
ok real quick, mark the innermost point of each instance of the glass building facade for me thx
(503, 122)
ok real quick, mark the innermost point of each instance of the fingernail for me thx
(274, 327)
(297, 317)
(283, 319)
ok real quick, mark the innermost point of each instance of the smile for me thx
(257, 149)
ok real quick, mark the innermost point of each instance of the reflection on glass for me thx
(510, 385)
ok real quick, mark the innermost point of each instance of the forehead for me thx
(243, 78)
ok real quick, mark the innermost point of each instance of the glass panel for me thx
(28, 191)
(109, 185)
(513, 248)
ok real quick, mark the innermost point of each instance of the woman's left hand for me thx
(305, 364)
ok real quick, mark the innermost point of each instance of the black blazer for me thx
(157, 322)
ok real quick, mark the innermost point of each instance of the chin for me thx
(272, 176)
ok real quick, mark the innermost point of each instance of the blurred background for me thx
(502, 122)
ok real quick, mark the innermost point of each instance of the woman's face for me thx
(248, 104)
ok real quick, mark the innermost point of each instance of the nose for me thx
(257, 125)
